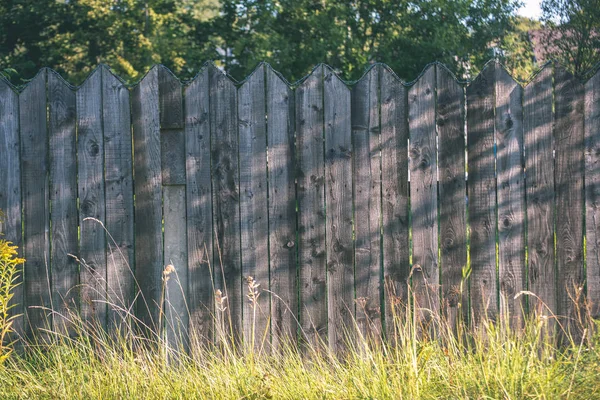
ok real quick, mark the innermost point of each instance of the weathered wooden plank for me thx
(423, 195)
(10, 190)
(367, 203)
(226, 199)
(63, 198)
(311, 208)
(199, 211)
(171, 102)
(482, 195)
(90, 166)
(172, 137)
(338, 205)
(282, 210)
(450, 114)
(394, 174)
(148, 198)
(176, 278)
(36, 204)
(569, 136)
(253, 209)
(538, 120)
(511, 196)
(592, 191)
(118, 179)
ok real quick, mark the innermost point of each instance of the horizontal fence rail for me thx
(265, 212)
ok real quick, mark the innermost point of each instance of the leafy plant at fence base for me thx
(9, 271)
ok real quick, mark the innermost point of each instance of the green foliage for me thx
(574, 38)
(517, 49)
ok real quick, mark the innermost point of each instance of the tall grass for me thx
(491, 361)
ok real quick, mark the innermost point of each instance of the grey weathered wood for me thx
(450, 114)
(339, 212)
(311, 208)
(394, 174)
(482, 195)
(148, 198)
(592, 191)
(171, 102)
(367, 203)
(10, 190)
(176, 282)
(173, 158)
(282, 210)
(36, 205)
(90, 185)
(569, 137)
(253, 208)
(423, 195)
(199, 211)
(172, 136)
(226, 198)
(511, 196)
(63, 198)
(538, 121)
(118, 180)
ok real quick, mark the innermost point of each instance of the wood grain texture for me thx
(36, 205)
(63, 198)
(423, 195)
(482, 195)
(569, 137)
(254, 208)
(367, 203)
(339, 212)
(172, 137)
(538, 120)
(226, 198)
(90, 186)
(10, 191)
(118, 193)
(176, 285)
(511, 196)
(394, 174)
(310, 175)
(592, 191)
(170, 100)
(199, 211)
(450, 120)
(282, 210)
(148, 198)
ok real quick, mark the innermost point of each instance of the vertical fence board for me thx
(253, 208)
(423, 194)
(311, 212)
(118, 181)
(339, 213)
(282, 210)
(592, 191)
(569, 136)
(367, 203)
(394, 173)
(539, 180)
(63, 200)
(226, 198)
(172, 143)
(10, 190)
(148, 198)
(36, 205)
(450, 114)
(511, 196)
(199, 211)
(482, 195)
(90, 185)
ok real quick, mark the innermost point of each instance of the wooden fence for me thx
(335, 198)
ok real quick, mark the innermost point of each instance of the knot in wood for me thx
(290, 244)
